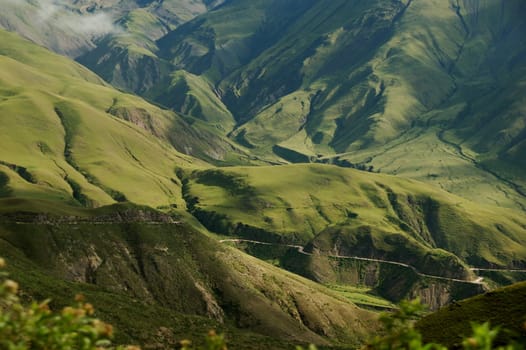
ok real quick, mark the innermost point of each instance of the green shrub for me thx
(213, 341)
(35, 326)
(401, 334)
(400, 331)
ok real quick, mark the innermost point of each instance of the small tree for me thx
(400, 330)
(401, 334)
(35, 326)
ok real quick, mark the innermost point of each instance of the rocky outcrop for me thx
(392, 282)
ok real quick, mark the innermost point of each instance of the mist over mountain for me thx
(58, 25)
(73, 27)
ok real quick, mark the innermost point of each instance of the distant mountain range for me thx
(428, 90)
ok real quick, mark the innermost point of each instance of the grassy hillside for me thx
(402, 87)
(70, 142)
(502, 307)
(139, 256)
(69, 136)
(38, 23)
(335, 212)
(357, 84)
(414, 101)
(365, 82)
(370, 283)
(128, 57)
(73, 27)
(78, 138)
(327, 203)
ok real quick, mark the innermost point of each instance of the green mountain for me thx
(69, 141)
(128, 58)
(430, 90)
(301, 202)
(133, 262)
(418, 241)
(69, 136)
(399, 87)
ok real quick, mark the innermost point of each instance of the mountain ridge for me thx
(368, 81)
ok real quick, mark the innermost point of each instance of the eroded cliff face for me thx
(435, 295)
(151, 257)
(391, 281)
(135, 253)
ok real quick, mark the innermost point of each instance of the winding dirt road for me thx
(301, 250)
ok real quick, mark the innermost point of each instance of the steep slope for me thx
(69, 141)
(502, 307)
(401, 86)
(138, 254)
(389, 226)
(67, 135)
(301, 202)
(128, 59)
(56, 125)
(67, 27)
(73, 27)
(115, 37)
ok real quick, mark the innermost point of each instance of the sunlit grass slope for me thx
(422, 95)
(66, 135)
(193, 96)
(431, 90)
(349, 212)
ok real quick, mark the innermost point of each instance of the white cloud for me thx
(47, 9)
(57, 13)
(96, 24)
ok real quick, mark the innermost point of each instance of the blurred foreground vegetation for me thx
(36, 326)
